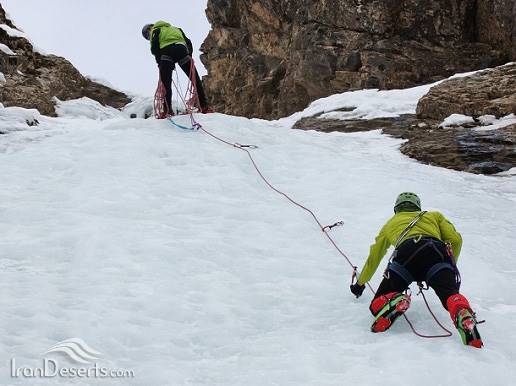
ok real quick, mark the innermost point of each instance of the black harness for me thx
(404, 273)
(448, 261)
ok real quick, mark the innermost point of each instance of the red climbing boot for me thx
(464, 319)
(387, 308)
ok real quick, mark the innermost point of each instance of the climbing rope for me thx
(323, 228)
(189, 98)
(160, 103)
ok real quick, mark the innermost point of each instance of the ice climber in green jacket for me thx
(427, 247)
(169, 45)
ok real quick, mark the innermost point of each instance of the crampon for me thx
(466, 324)
(387, 308)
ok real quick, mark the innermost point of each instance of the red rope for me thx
(193, 102)
(190, 99)
(160, 104)
(323, 228)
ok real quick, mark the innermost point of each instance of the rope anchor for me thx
(240, 146)
(330, 227)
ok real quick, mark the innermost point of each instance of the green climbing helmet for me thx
(407, 198)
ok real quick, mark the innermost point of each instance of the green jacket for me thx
(432, 224)
(168, 34)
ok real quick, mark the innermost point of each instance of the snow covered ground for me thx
(163, 250)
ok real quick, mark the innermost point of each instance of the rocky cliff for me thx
(31, 79)
(480, 144)
(270, 58)
(490, 92)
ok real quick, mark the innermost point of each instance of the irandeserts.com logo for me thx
(76, 351)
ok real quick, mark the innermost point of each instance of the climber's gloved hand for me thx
(357, 289)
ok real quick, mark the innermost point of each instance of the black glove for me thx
(357, 289)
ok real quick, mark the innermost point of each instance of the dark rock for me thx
(32, 122)
(496, 25)
(466, 149)
(400, 124)
(33, 79)
(270, 58)
(4, 19)
(354, 62)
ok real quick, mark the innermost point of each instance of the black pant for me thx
(170, 55)
(443, 282)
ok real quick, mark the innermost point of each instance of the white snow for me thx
(162, 249)
(493, 123)
(510, 172)
(85, 108)
(20, 34)
(488, 122)
(367, 104)
(142, 107)
(456, 120)
(2, 78)
(486, 119)
(17, 119)
(13, 31)
(6, 50)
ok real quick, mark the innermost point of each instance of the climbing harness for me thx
(448, 262)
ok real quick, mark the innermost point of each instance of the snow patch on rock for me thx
(85, 108)
(141, 107)
(16, 33)
(18, 118)
(6, 50)
(367, 104)
(457, 120)
(493, 124)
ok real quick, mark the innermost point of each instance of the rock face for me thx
(490, 92)
(496, 25)
(270, 58)
(465, 147)
(32, 80)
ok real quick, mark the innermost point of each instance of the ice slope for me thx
(163, 250)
